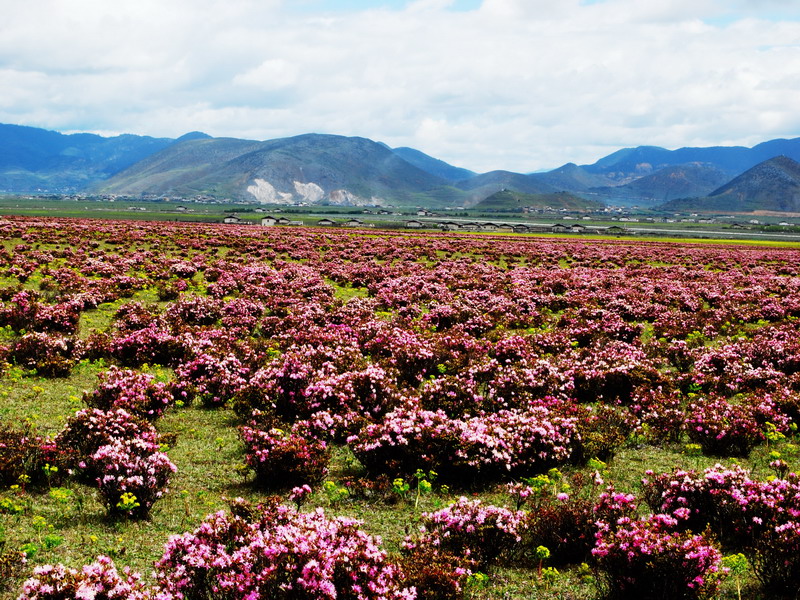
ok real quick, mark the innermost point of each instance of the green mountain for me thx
(312, 168)
(320, 169)
(482, 186)
(509, 201)
(773, 185)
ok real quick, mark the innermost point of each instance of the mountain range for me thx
(773, 185)
(331, 169)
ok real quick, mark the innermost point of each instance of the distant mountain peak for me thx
(771, 185)
(431, 165)
(193, 135)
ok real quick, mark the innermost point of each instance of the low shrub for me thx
(662, 414)
(601, 429)
(193, 310)
(99, 581)
(282, 459)
(18, 450)
(132, 475)
(213, 380)
(47, 354)
(485, 447)
(567, 524)
(702, 500)
(722, 428)
(436, 574)
(90, 429)
(136, 392)
(645, 559)
(12, 563)
(274, 551)
(470, 530)
(24, 456)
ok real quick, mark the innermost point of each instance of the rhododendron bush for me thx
(375, 371)
(276, 552)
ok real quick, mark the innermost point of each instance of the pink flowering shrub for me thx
(48, 354)
(516, 442)
(99, 581)
(359, 394)
(281, 386)
(24, 453)
(700, 500)
(484, 447)
(193, 310)
(775, 557)
(90, 429)
(408, 354)
(436, 574)
(453, 394)
(276, 552)
(152, 344)
(723, 428)
(62, 317)
(470, 529)
(601, 429)
(19, 312)
(612, 372)
(27, 311)
(567, 524)
(662, 413)
(242, 314)
(132, 467)
(133, 316)
(406, 440)
(282, 459)
(211, 379)
(750, 516)
(136, 392)
(646, 559)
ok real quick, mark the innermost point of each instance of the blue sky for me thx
(522, 85)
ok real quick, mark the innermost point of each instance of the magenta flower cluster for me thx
(509, 442)
(469, 529)
(284, 459)
(136, 392)
(134, 467)
(97, 581)
(279, 553)
(647, 558)
(758, 518)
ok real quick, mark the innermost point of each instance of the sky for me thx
(521, 85)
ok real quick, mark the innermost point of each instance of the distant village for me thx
(443, 225)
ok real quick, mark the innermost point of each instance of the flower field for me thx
(229, 412)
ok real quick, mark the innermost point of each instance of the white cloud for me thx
(516, 84)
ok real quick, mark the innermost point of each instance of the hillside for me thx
(773, 185)
(33, 159)
(669, 183)
(309, 168)
(434, 166)
(482, 186)
(572, 177)
(628, 164)
(509, 201)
